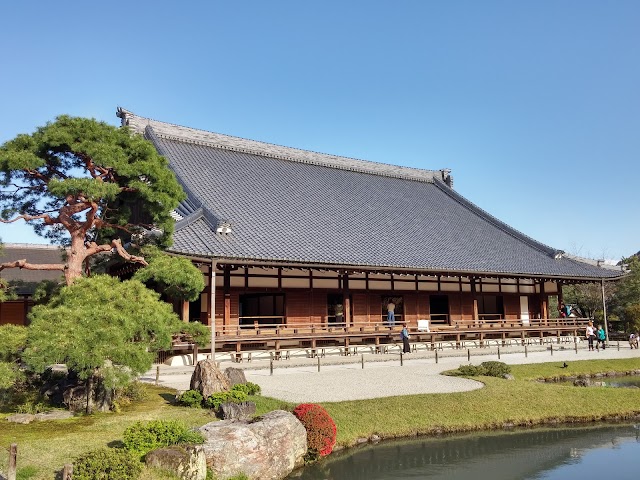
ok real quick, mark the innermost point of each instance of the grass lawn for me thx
(44, 447)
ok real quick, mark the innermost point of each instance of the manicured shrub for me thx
(191, 398)
(107, 464)
(321, 429)
(249, 388)
(495, 369)
(141, 437)
(487, 369)
(217, 399)
(125, 396)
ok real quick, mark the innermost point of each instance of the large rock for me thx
(235, 376)
(267, 449)
(207, 378)
(100, 399)
(188, 462)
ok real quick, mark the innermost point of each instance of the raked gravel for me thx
(343, 378)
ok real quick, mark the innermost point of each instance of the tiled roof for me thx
(281, 207)
(37, 254)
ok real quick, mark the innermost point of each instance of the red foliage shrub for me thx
(321, 429)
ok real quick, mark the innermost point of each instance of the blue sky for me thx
(534, 105)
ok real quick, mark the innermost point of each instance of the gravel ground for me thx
(343, 378)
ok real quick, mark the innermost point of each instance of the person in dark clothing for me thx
(404, 335)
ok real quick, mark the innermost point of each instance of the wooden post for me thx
(468, 354)
(227, 295)
(362, 360)
(401, 363)
(271, 366)
(157, 374)
(475, 300)
(195, 353)
(318, 364)
(347, 300)
(13, 462)
(67, 473)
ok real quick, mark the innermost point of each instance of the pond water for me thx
(627, 381)
(603, 451)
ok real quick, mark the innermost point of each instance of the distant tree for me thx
(627, 295)
(88, 186)
(587, 298)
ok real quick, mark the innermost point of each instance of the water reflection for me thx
(558, 453)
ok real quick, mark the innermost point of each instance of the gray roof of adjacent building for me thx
(255, 201)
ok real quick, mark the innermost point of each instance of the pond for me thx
(567, 453)
(627, 381)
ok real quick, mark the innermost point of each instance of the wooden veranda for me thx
(279, 341)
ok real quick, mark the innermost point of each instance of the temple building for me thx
(288, 237)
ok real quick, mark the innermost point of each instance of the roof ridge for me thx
(194, 136)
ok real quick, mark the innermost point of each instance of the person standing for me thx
(601, 337)
(590, 333)
(391, 317)
(404, 335)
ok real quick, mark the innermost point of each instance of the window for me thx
(263, 309)
(439, 308)
(490, 307)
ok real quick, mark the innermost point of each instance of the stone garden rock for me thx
(101, 399)
(207, 378)
(23, 418)
(188, 462)
(269, 448)
(26, 418)
(240, 411)
(235, 376)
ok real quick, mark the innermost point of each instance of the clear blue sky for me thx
(534, 105)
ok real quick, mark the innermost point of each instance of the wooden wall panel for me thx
(466, 306)
(298, 306)
(359, 307)
(455, 309)
(423, 306)
(511, 307)
(318, 307)
(375, 308)
(13, 312)
(411, 309)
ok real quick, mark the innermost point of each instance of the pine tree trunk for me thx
(76, 256)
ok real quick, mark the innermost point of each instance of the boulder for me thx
(207, 378)
(23, 418)
(26, 418)
(235, 376)
(269, 448)
(101, 398)
(186, 462)
(240, 411)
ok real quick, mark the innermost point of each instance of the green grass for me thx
(502, 402)
(44, 447)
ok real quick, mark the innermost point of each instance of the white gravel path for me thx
(340, 378)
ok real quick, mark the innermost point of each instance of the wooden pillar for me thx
(544, 299)
(475, 299)
(212, 307)
(227, 295)
(347, 301)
